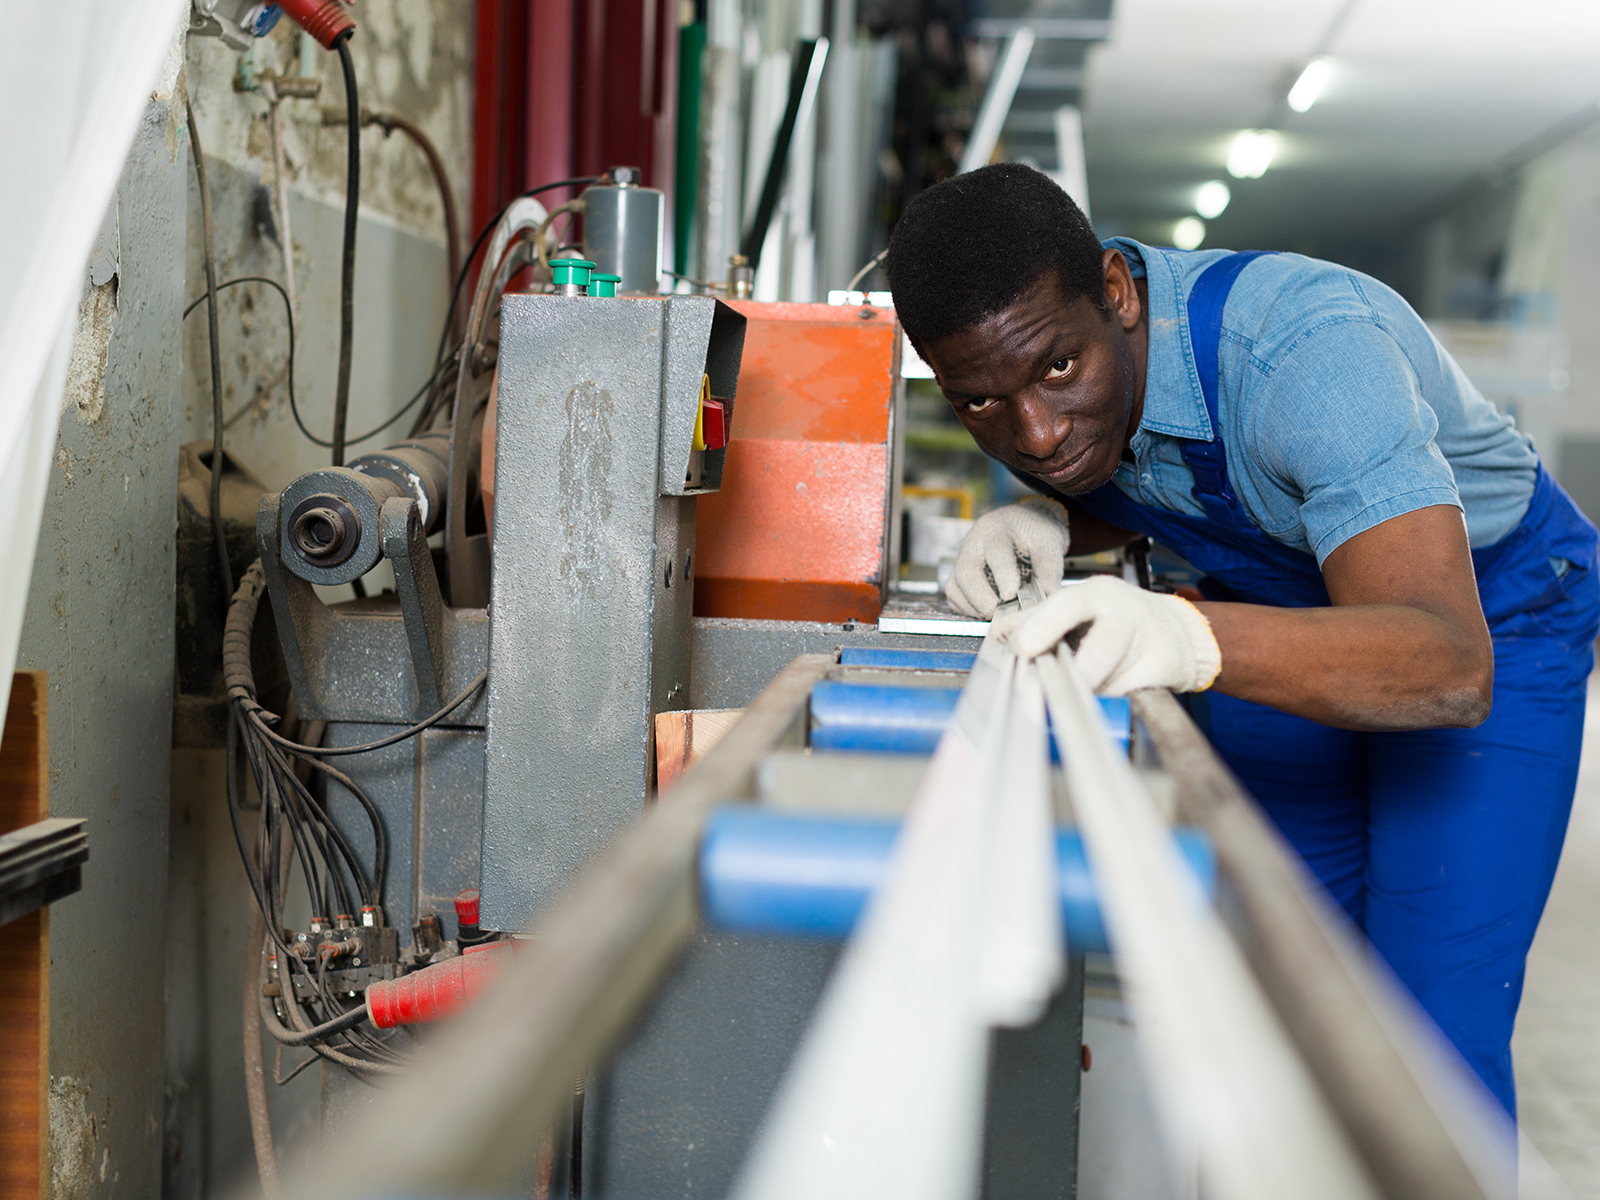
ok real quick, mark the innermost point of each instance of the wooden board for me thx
(682, 737)
(24, 953)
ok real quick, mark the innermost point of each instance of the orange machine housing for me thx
(800, 529)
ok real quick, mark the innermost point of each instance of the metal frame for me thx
(494, 1083)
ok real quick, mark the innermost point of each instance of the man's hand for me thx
(1030, 534)
(1131, 638)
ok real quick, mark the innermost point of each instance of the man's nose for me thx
(1039, 431)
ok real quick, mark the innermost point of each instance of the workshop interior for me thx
(488, 717)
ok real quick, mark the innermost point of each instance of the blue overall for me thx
(1441, 844)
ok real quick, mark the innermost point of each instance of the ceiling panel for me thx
(1425, 94)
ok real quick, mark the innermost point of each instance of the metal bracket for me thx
(421, 604)
(304, 620)
(295, 606)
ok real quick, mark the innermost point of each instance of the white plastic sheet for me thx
(75, 79)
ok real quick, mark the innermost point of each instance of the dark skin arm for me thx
(1055, 389)
(1404, 646)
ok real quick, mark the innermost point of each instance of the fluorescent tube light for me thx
(1251, 153)
(1211, 198)
(1188, 233)
(1309, 86)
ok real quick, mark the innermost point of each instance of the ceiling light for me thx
(1251, 153)
(1211, 198)
(1188, 233)
(1309, 86)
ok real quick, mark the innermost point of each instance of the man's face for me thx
(1049, 386)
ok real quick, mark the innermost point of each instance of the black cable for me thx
(326, 856)
(294, 407)
(224, 566)
(409, 732)
(483, 236)
(347, 268)
(318, 1033)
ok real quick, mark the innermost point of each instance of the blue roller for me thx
(888, 720)
(906, 720)
(916, 660)
(781, 873)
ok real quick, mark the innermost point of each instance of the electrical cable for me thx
(389, 122)
(483, 236)
(297, 827)
(866, 270)
(294, 408)
(347, 266)
(409, 732)
(225, 568)
(255, 1081)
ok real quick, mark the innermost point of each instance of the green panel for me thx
(691, 47)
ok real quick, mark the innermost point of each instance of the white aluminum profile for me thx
(885, 1095)
(1237, 1107)
(997, 99)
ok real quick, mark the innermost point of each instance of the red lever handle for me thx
(435, 992)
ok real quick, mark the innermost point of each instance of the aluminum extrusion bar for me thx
(491, 1085)
(1424, 1125)
(1237, 1107)
(997, 99)
(885, 1095)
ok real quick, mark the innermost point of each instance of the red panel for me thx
(499, 143)
(810, 373)
(799, 529)
(551, 50)
(793, 512)
(625, 91)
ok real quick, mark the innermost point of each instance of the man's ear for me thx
(1122, 297)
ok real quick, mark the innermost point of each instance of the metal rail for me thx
(488, 1088)
(1422, 1123)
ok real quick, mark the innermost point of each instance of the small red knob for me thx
(467, 906)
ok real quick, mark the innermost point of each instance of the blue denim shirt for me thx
(1339, 409)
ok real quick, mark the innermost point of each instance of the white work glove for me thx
(989, 568)
(1134, 638)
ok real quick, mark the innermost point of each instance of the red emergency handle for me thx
(435, 992)
(325, 20)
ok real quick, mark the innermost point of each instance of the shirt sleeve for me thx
(1341, 423)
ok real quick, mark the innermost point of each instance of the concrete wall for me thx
(99, 620)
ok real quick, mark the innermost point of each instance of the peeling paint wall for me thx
(412, 58)
(99, 621)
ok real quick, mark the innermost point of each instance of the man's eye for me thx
(982, 405)
(1059, 369)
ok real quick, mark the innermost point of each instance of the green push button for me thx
(571, 271)
(601, 284)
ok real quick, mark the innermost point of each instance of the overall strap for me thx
(1208, 461)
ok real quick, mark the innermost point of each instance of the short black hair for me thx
(971, 246)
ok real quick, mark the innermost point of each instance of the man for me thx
(1400, 605)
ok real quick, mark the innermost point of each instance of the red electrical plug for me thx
(435, 992)
(325, 20)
